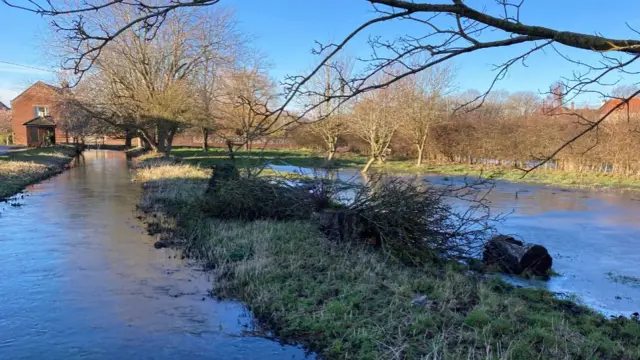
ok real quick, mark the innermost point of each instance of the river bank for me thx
(309, 159)
(350, 302)
(21, 168)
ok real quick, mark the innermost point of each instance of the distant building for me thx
(630, 109)
(4, 107)
(33, 115)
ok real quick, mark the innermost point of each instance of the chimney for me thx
(572, 106)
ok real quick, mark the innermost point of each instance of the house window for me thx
(41, 111)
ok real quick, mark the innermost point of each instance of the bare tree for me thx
(523, 104)
(79, 124)
(5, 123)
(624, 91)
(222, 47)
(247, 96)
(328, 121)
(423, 98)
(145, 84)
(374, 120)
(446, 30)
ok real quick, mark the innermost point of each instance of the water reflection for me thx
(589, 233)
(80, 279)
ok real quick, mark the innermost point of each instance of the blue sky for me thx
(285, 30)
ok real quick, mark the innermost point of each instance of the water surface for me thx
(80, 279)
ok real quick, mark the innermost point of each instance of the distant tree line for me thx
(419, 119)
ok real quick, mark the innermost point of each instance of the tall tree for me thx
(223, 47)
(423, 99)
(248, 94)
(145, 84)
(328, 121)
(374, 120)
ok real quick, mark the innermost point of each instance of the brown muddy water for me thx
(80, 279)
(593, 236)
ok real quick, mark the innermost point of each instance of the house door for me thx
(32, 137)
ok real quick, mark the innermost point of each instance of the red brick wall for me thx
(38, 94)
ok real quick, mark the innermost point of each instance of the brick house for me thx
(631, 110)
(33, 115)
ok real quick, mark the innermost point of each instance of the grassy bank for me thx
(349, 302)
(25, 167)
(307, 158)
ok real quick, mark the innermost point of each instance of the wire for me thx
(26, 66)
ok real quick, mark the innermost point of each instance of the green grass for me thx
(349, 302)
(21, 168)
(308, 158)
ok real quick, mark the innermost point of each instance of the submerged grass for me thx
(24, 167)
(308, 158)
(350, 302)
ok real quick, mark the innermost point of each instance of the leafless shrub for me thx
(416, 221)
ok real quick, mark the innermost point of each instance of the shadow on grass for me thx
(294, 157)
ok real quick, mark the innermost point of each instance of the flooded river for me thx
(593, 236)
(80, 279)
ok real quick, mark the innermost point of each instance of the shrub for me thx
(417, 223)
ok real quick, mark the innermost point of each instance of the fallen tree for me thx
(516, 257)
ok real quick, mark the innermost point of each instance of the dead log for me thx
(515, 257)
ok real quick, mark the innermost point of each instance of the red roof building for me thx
(632, 107)
(33, 115)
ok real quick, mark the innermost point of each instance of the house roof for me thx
(3, 107)
(633, 105)
(41, 121)
(41, 84)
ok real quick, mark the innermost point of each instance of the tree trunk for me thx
(127, 138)
(515, 257)
(169, 140)
(366, 167)
(147, 142)
(230, 153)
(332, 148)
(419, 161)
(205, 139)
(160, 144)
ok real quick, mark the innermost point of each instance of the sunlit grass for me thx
(24, 167)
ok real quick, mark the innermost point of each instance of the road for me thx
(5, 149)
